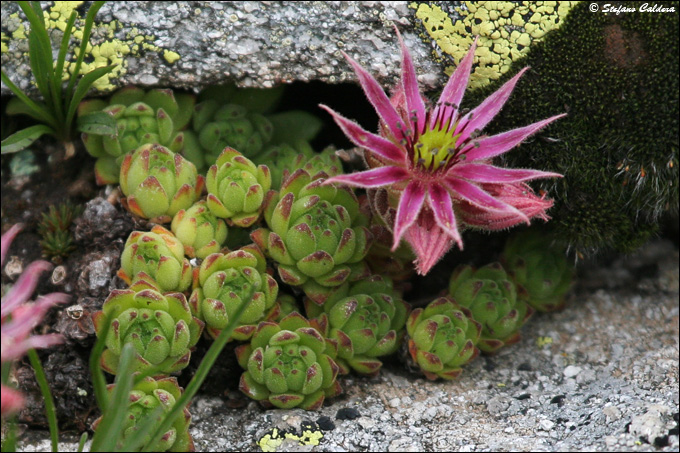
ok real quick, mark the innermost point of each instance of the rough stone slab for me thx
(254, 44)
(620, 332)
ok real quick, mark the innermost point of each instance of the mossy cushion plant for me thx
(616, 76)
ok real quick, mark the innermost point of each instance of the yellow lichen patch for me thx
(273, 439)
(506, 31)
(106, 47)
(170, 56)
(543, 341)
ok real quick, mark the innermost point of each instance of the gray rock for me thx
(254, 44)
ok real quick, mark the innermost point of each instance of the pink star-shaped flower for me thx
(436, 163)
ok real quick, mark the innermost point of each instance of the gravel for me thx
(602, 375)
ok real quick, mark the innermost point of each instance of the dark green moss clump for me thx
(617, 78)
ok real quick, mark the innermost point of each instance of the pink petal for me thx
(478, 197)
(442, 208)
(409, 206)
(409, 81)
(17, 349)
(360, 137)
(483, 173)
(428, 241)
(498, 144)
(376, 177)
(7, 239)
(11, 401)
(21, 291)
(451, 97)
(521, 196)
(377, 97)
(27, 316)
(484, 112)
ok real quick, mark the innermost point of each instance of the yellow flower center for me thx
(434, 148)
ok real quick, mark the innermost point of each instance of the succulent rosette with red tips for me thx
(159, 326)
(236, 188)
(158, 183)
(199, 230)
(289, 364)
(157, 256)
(225, 282)
(442, 337)
(316, 234)
(491, 297)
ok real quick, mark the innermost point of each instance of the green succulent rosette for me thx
(220, 126)
(366, 319)
(146, 396)
(225, 282)
(540, 269)
(237, 188)
(289, 364)
(316, 235)
(491, 297)
(284, 159)
(442, 337)
(158, 183)
(285, 305)
(156, 116)
(199, 230)
(156, 255)
(159, 326)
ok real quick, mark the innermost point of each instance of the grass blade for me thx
(83, 87)
(201, 373)
(89, 20)
(82, 442)
(59, 68)
(110, 428)
(40, 49)
(50, 410)
(38, 112)
(23, 138)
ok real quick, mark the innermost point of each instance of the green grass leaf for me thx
(23, 138)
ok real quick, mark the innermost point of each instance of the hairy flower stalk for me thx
(436, 165)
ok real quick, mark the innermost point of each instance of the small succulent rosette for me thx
(156, 116)
(284, 159)
(158, 183)
(540, 269)
(199, 230)
(366, 319)
(285, 305)
(491, 297)
(289, 364)
(159, 326)
(146, 397)
(316, 235)
(230, 126)
(158, 256)
(442, 338)
(236, 188)
(225, 282)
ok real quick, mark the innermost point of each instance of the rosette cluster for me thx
(316, 235)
